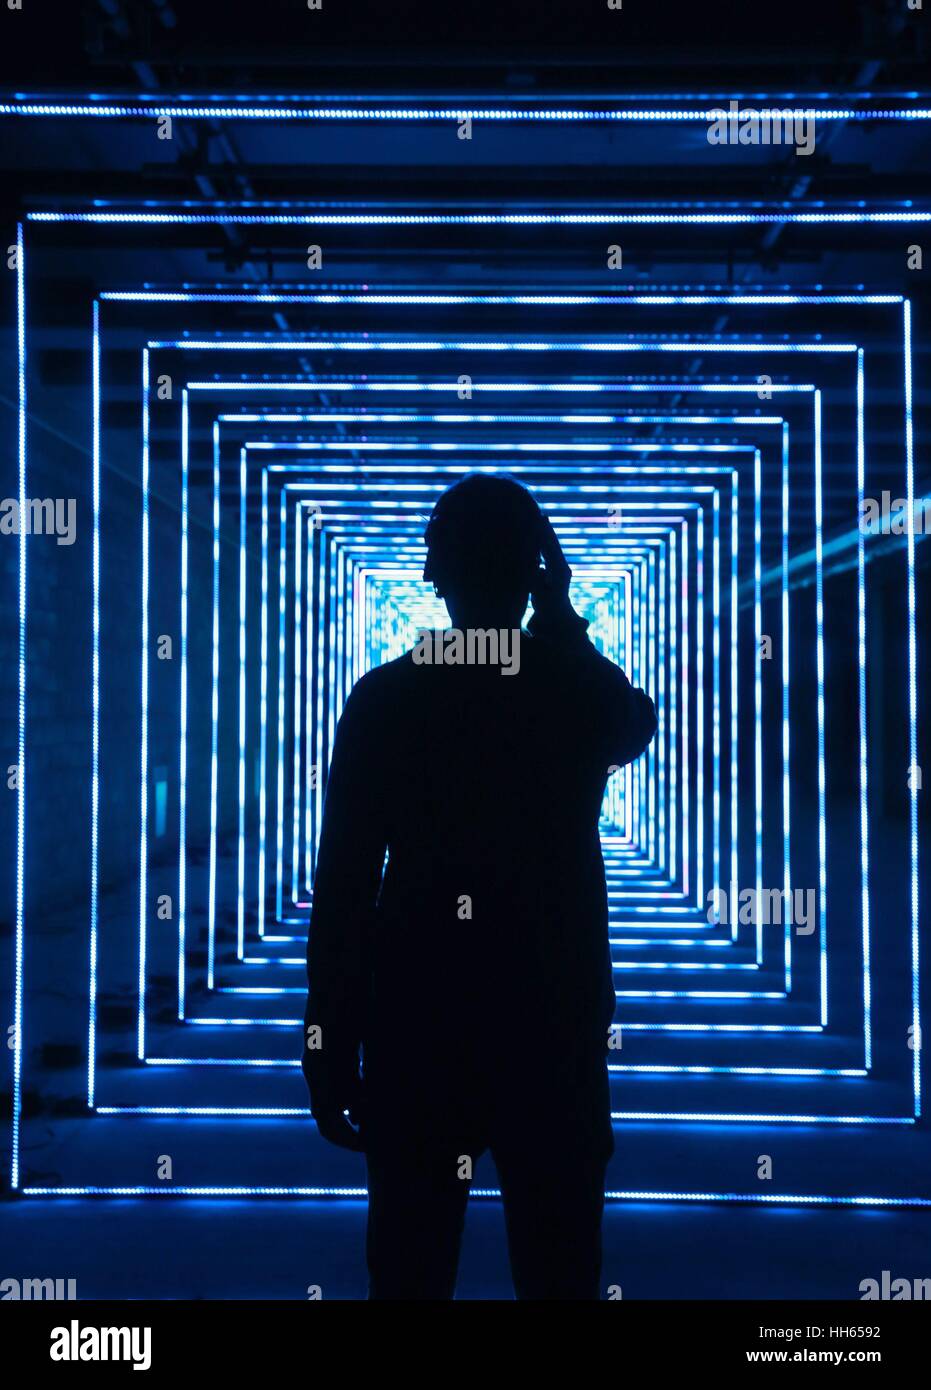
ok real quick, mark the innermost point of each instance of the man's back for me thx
(485, 790)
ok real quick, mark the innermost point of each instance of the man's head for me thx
(483, 550)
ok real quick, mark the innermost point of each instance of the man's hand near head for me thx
(553, 614)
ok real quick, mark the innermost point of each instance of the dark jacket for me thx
(483, 941)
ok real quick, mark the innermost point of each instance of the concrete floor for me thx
(165, 1248)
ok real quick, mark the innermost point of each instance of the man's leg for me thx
(551, 1142)
(553, 1205)
(417, 1204)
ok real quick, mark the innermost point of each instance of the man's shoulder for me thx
(382, 684)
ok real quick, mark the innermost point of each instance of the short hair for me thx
(484, 536)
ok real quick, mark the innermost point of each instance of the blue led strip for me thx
(95, 717)
(758, 820)
(460, 470)
(263, 709)
(579, 573)
(310, 773)
(912, 699)
(758, 697)
(653, 108)
(279, 766)
(861, 695)
(182, 740)
(644, 446)
(613, 1195)
(786, 742)
(916, 1059)
(371, 343)
(298, 637)
(374, 297)
(21, 713)
(831, 347)
(431, 621)
(333, 385)
(144, 734)
(819, 653)
(214, 707)
(790, 214)
(241, 777)
(388, 417)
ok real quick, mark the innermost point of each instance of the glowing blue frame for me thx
(911, 649)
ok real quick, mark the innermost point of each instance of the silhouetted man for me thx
(470, 976)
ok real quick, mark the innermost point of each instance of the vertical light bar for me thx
(758, 694)
(241, 858)
(627, 793)
(95, 711)
(912, 699)
(263, 707)
(309, 692)
(653, 691)
(633, 821)
(673, 712)
(700, 706)
(716, 692)
(279, 769)
(331, 653)
(661, 707)
(144, 735)
(819, 647)
(735, 532)
(861, 691)
(323, 640)
(182, 750)
(342, 687)
(786, 785)
(298, 638)
(21, 713)
(214, 712)
(686, 769)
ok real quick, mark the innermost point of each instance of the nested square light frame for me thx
(909, 447)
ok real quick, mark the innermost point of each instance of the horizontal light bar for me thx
(299, 344)
(481, 219)
(276, 108)
(614, 1195)
(325, 384)
(690, 1115)
(653, 300)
